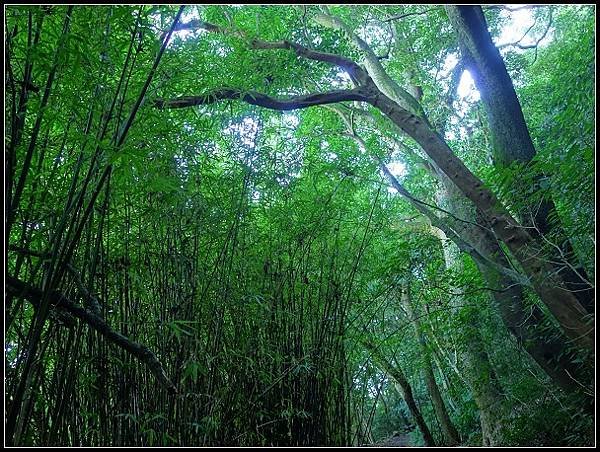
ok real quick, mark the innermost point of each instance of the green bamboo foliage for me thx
(231, 275)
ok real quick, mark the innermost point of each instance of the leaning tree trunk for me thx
(548, 351)
(543, 274)
(522, 321)
(511, 141)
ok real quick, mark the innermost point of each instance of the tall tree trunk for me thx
(451, 435)
(511, 141)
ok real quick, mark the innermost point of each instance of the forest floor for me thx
(400, 440)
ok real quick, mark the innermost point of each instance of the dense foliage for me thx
(229, 274)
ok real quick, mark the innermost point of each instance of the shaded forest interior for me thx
(299, 225)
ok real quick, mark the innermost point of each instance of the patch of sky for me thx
(374, 35)
(466, 88)
(290, 119)
(222, 50)
(190, 13)
(341, 80)
(182, 165)
(520, 22)
(245, 130)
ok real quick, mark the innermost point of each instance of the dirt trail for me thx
(400, 440)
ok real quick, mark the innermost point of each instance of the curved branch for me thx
(357, 73)
(450, 233)
(537, 42)
(425, 209)
(59, 301)
(518, 41)
(197, 24)
(262, 100)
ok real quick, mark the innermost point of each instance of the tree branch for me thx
(425, 209)
(262, 100)
(463, 245)
(197, 24)
(518, 41)
(536, 43)
(375, 69)
(357, 73)
(402, 16)
(59, 301)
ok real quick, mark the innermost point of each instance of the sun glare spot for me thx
(466, 88)
(398, 170)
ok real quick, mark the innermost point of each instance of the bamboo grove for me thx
(289, 225)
